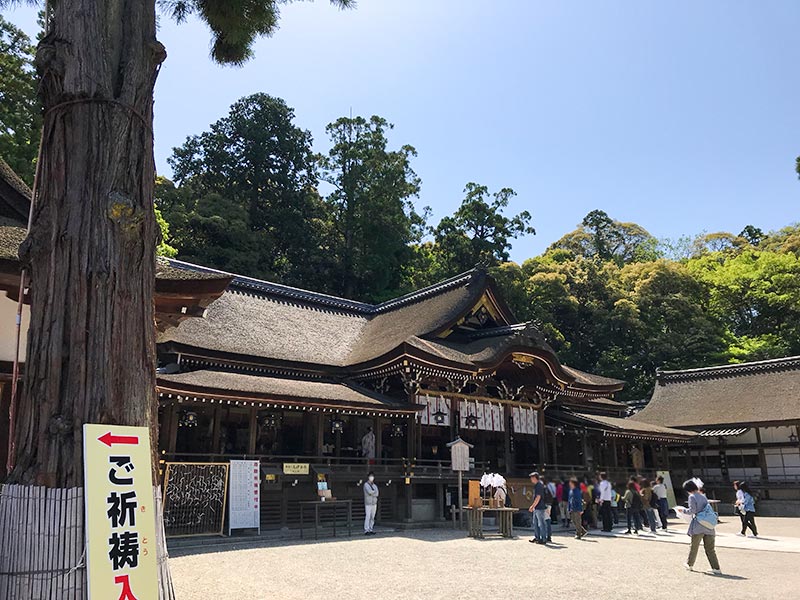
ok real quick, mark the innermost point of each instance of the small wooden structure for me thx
(505, 521)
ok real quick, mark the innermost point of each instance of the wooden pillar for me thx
(377, 427)
(542, 437)
(216, 430)
(615, 458)
(762, 457)
(439, 502)
(507, 451)
(320, 431)
(253, 430)
(173, 429)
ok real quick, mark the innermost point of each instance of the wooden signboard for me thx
(295, 468)
(120, 513)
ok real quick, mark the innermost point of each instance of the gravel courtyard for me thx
(434, 564)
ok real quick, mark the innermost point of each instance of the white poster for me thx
(244, 500)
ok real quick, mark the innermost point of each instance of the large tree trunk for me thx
(91, 249)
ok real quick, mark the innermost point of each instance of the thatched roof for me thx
(226, 385)
(15, 197)
(287, 324)
(619, 427)
(743, 394)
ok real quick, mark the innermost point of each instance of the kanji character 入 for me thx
(126, 593)
(121, 462)
(124, 549)
(122, 508)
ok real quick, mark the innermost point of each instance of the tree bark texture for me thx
(91, 249)
(90, 254)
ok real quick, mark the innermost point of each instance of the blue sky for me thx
(683, 116)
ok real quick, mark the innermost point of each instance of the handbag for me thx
(707, 517)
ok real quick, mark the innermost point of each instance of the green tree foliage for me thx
(373, 219)
(20, 113)
(163, 248)
(247, 200)
(234, 24)
(478, 232)
(599, 236)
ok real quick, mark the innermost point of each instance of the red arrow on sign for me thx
(109, 439)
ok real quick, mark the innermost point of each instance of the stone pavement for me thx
(445, 564)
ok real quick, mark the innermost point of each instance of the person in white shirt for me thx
(606, 494)
(371, 493)
(368, 444)
(660, 490)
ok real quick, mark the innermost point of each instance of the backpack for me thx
(547, 496)
(707, 517)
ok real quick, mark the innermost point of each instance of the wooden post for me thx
(507, 441)
(542, 437)
(615, 460)
(253, 430)
(762, 457)
(216, 433)
(318, 423)
(173, 431)
(377, 427)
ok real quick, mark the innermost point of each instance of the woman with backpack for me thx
(701, 527)
(746, 506)
(633, 507)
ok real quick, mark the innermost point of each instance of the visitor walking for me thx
(633, 508)
(697, 531)
(575, 507)
(649, 502)
(549, 501)
(660, 490)
(606, 493)
(371, 493)
(537, 509)
(746, 506)
(562, 496)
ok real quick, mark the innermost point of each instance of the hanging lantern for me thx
(188, 418)
(270, 421)
(337, 425)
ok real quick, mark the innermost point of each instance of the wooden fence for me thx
(42, 542)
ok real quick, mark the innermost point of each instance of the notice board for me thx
(245, 495)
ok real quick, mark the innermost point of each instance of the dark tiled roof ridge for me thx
(252, 285)
(731, 370)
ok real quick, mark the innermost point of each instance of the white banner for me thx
(432, 406)
(244, 503)
(525, 420)
(487, 417)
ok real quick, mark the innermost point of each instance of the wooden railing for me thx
(339, 465)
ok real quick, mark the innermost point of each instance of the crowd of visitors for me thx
(594, 504)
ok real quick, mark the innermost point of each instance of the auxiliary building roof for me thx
(742, 394)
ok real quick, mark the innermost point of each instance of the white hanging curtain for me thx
(434, 404)
(525, 420)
